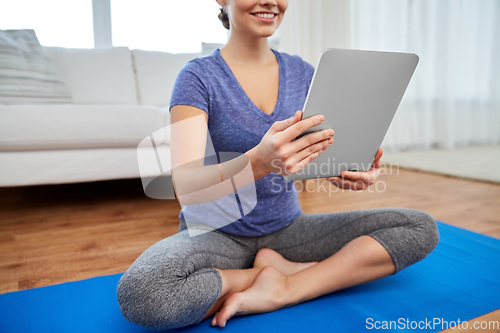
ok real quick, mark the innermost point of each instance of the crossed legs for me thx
(238, 280)
(272, 287)
(181, 280)
(364, 246)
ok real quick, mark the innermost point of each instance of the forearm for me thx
(196, 184)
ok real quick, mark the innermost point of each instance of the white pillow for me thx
(156, 73)
(27, 75)
(96, 76)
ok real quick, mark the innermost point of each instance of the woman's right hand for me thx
(279, 152)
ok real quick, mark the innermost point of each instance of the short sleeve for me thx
(191, 87)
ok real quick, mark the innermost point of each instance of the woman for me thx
(274, 256)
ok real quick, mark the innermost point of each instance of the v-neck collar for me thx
(281, 87)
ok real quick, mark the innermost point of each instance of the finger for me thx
(351, 180)
(311, 139)
(294, 168)
(302, 154)
(360, 175)
(367, 177)
(282, 125)
(334, 179)
(348, 184)
(293, 131)
(337, 181)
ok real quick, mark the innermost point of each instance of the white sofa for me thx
(120, 97)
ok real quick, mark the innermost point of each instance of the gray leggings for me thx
(174, 283)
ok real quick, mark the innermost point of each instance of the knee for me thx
(146, 304)
(160, 299)
(426, 231)
(135, 301)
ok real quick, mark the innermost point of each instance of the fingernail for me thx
(331, 132)
(321, 117)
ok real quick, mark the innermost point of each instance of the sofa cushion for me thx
(27, 75)
(61, 166)
(156, 73)
(44, 127)
(96, 76)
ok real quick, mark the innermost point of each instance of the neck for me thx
(244, 50)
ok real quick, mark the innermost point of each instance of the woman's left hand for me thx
(358, 180)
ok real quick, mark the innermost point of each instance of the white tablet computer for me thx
(358, 92)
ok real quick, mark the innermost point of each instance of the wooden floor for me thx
(57, 233)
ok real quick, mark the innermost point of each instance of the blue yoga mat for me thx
(459, 280)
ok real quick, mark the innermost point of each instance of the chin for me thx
(267, 32)
(264, 35)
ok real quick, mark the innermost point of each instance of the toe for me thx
(223, 317)
(214, 320)
(230, 307)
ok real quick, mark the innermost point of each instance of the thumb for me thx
(376, 162)
(284, 124)
(379, 155)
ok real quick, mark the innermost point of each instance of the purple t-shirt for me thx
(236, 124)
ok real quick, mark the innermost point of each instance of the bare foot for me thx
(266, 294)
(267, 257)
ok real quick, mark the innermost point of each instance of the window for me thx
(56, 22)
(160, 25)
(166, 25)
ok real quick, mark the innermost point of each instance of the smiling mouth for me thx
(265, 15)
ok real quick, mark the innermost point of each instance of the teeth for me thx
(268, 16)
